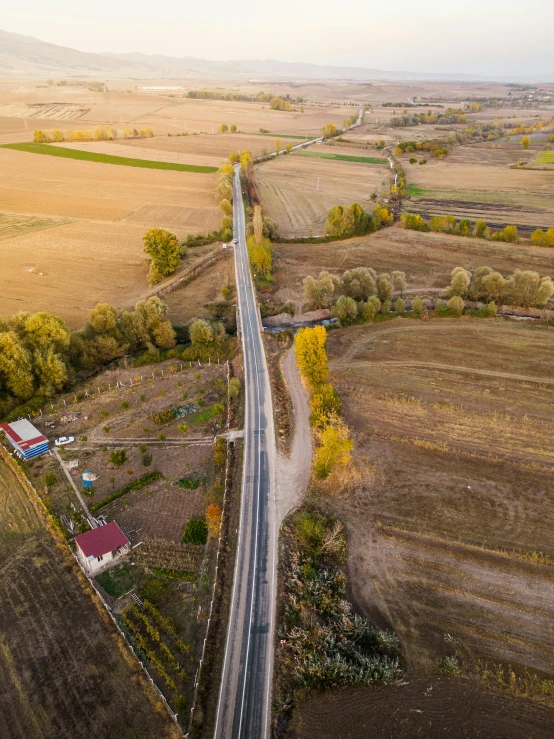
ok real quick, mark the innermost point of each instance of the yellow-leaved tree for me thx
(311, 357)
(334, 447)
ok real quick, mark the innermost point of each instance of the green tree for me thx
(399, 282)
(196, 531)
(359, 283)
(346, 310)
(226, 207)
(233, 128)
(223, 128)
(163, 251)
(459, 284)
(319, 292)
(493, 286)
(201, 332)
(456, 305)
(384, 287)
(417, 306)
(400, 307)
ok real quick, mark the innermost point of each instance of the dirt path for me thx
(294, 472)
(446, 367)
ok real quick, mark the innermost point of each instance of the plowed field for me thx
(65, 672)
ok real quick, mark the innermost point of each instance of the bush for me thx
(49, 479)
(187, 483)
(196, 531)
(118, 457)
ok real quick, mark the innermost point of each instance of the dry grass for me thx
(449, 533)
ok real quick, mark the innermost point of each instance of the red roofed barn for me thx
(97, 547)
(25, 438)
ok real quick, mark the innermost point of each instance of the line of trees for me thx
(39, 356)
(344, 221)
(525, 288)
(358, 295)
(99, 133)
(278, 103)
(449, 116)
(223, 128)
(333, 442)
(437, 147)
(464, 227)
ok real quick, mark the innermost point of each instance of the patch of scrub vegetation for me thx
(323, 644)
(340, 157)
(92, 156)
(546, 157)
(117, 581)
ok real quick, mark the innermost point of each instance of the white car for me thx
(235, 241)
(64, 440)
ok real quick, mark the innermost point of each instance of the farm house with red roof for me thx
(98, 547)
(27, 441)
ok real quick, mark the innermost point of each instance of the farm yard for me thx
(150, 443)
(447, 510)
(298, 191)
(65, 671)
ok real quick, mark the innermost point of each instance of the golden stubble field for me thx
(297, 192)
(65, 671)
(447, 506)
(96, 253)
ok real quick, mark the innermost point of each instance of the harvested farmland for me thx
(298, 192)
(66, 671)
(89, 247)
(92, 156)
(447, 501)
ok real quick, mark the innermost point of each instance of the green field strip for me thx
(546, 157)
(91, 156)
(340, 157)
(287, 136)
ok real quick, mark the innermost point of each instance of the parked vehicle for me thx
(63, 440)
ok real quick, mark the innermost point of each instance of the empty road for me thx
(244, 705)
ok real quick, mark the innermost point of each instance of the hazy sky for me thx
(486, 37)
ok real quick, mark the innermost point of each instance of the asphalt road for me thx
(244, 704)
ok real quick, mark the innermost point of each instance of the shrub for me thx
(414, 222)
(456, 305)
(196, 531)
(417, 305)
(49, 479)
(220, 452)
(146, 459)
(187, 483)
(118, 457)
(125, 405)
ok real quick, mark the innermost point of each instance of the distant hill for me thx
(24, 56)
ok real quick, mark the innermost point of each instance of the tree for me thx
(399, 281)
(226, 207)
(460, 281)
(345, 310)
(164, 335)
(456, 305)
(311, 357)
(368, 310)
(400, 307)
(493, 285)
(525, 141)
(213, 519)
(359, 282)
(384, 287)
(103, 320)
(16, 367)
(324, 405)
(260, 255)
(40, 137)
(223, 128)
(201, 332)
(118, 457)
(234, 387)
(288, 148)
(320, 292)
(164, 253)
(329, 130)
(258, 224)
(334, 447)
(481, 229)
(196, 531)
(233, 128)
(57, 135)
(417, 306)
